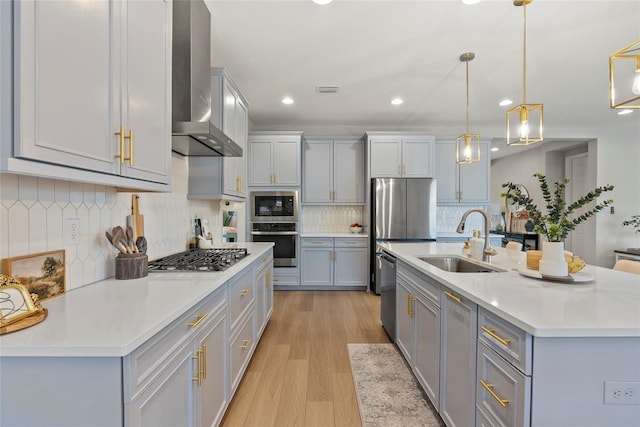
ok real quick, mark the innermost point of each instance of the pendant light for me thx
(524, 121)
(624, 82)
(468, 144)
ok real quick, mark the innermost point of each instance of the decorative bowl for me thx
(356, 230)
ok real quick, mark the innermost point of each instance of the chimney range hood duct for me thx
(193, 134)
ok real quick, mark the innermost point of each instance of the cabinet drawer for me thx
(502, 392)
(316, 242)
(241, 295)
(145, 362)
(241, 348)
(429, 288)
(351, 242)
(482, 420)
(507, 340)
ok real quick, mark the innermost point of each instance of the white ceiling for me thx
(378, 50)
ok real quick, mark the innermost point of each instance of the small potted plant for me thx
(559, 219)
(634, 223)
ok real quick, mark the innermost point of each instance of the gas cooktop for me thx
(199, 260)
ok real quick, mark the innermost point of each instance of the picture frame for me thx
(44, 273)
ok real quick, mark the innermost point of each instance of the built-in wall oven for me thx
(274, 218)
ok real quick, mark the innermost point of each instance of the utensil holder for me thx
(132, 266)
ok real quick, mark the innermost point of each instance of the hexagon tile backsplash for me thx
(33, 212)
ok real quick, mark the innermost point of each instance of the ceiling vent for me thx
(327, 89)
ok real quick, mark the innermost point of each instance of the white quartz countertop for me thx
(319, 234)
(113, 317)
(608, 306)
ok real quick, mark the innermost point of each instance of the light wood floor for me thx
(300, 373)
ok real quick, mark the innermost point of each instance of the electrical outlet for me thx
(622, 392)
(71, 231)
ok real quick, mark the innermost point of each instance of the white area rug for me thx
(388, 394)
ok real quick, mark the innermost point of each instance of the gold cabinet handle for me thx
(200, 319)
(204, 361)
(492, 332)
(452, 296)
(123, 137)
(246, 344)
(244, 293)
(410, 300)
(489, 388)
(130, 138)
(198, 377)
(268, 278)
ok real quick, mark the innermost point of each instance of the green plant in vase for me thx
(559, 219)
(557, 222)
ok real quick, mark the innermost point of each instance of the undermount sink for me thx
(458, 264)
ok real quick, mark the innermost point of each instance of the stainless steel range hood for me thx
(193, 134)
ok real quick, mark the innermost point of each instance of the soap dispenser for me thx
(466, 249)
(477, 245)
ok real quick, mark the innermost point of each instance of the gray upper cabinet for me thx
(393, 155)
(333, 171)
(464, 183)
(223, 177)
(274, 159)
(101, 105)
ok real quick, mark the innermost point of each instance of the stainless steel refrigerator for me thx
(402, 209)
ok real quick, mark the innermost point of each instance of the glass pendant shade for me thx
(467, 144)
(524, 121)
(468, 148)
(524, 124)
(624, 77)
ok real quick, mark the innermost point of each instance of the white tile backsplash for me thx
(33, 213)
(448, 218)
(330, 219)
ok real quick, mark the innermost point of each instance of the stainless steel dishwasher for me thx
(387, 275)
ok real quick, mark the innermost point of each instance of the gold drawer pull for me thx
(492, 332)
(204, 361)
(200, 319)
(246, 344)
(452, 296)
(489, 388)
(268, 278)
(244, 293)
(198, 377)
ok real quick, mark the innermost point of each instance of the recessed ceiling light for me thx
(625, 111)
(322, 2)
(471, 1)
(397, 101)
(505, 102)
(494, 149)
(287, 100)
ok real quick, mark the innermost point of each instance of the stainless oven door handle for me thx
(278, 233)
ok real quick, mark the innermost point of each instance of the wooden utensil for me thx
(130, 239)
(138, 228)
(114, 243)
(119, 236)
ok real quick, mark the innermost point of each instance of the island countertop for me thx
(111, 318)
(608, 306)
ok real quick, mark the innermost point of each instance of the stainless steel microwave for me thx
(271, 206)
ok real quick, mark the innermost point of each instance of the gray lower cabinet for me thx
(488, 373)
(418, 328)
(457, 359)
(333, 262)
(185, 375)
(174, 378)
(504, 367)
